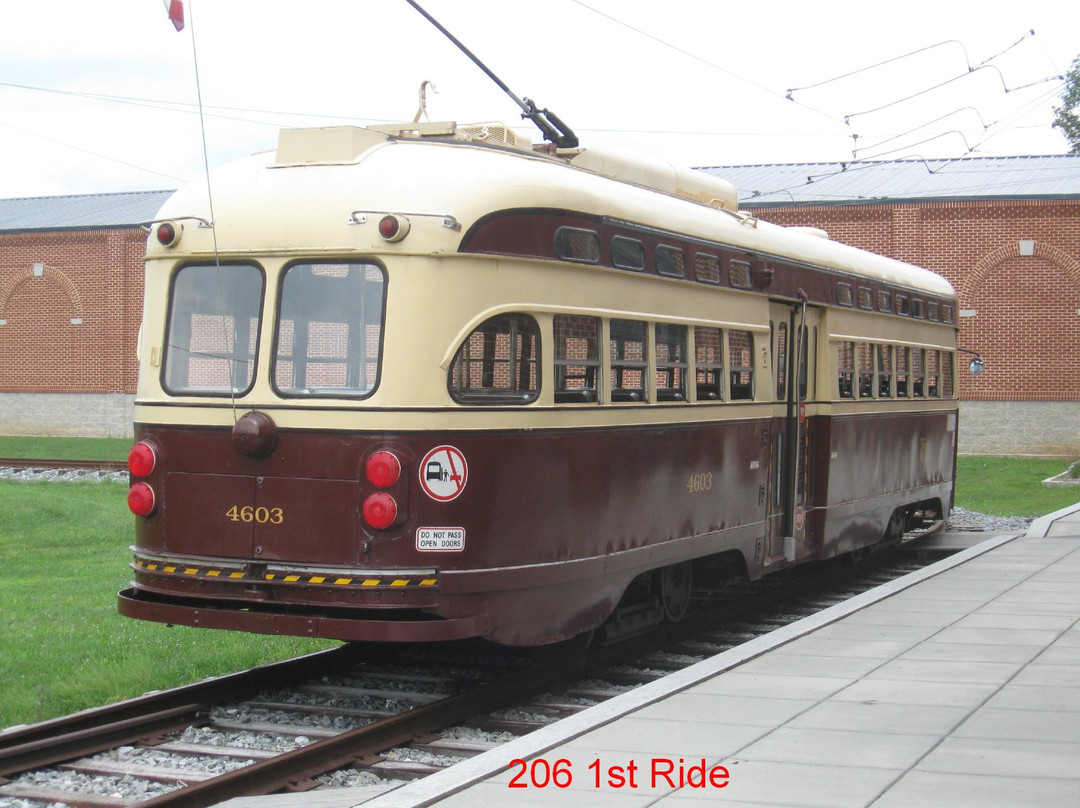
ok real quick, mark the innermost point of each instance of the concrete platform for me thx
(957, 686)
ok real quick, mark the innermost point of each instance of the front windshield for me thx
(329, 331)
(213, 329)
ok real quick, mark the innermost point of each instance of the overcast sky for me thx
(101, 96)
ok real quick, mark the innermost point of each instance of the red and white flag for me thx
(176, 13)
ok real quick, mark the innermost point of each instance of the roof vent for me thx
(498, 133)
(810, 231)
(331, 145)
(658, 174)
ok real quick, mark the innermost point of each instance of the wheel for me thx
(895, 531)
(675, 585)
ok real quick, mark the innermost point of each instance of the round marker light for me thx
(141, 459)
(383, 469)
(141, 499)
(168, 233)
(393, 228)
(380, 510)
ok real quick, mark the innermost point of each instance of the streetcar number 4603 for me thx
(262, 516)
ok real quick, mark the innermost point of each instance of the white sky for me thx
(700, 82)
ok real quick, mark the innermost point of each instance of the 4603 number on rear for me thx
(261, 516)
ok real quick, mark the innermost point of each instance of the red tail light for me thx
(141, 459)
(141, 499)
(380, 510)
(383, 469)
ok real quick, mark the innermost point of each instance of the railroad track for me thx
(52, 463)
(379, 714)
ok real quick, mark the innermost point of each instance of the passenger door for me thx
(793, 336)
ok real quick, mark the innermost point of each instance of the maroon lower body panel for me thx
(523, 537)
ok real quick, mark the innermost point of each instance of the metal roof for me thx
(120, 210)
(964, 178)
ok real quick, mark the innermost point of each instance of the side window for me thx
(902, 368)
(866, 298)
(884, 301)
(741, 364)
(845, 294)
(671, 364)
(845, 368)
(707, 268)
(884, 370)
(497, 363)
(627, 253)
(577, 359)
(628, 361)
(804, 348)
(932, 312)
(947, 388)
(933, 390)
(918, 373)
(781, 361)
(739, 274)
(577, 244)
(902, 306)
(708, 363)
(670, 261)
(864, 356)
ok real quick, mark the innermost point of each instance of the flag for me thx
(175, 8)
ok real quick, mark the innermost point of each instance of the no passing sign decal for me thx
(443, 473)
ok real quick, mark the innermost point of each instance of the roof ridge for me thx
(85, 196)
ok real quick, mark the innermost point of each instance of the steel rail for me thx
(36, 745)
(54, 463)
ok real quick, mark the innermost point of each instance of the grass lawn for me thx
(65, 448)
(1008, 486)
(63, 556)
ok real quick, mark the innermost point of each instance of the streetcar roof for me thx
(294, 198)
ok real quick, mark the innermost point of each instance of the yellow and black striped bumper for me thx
(192, 569)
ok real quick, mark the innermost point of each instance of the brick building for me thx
(71, 286)
(1004, 230)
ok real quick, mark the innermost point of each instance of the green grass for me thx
(63, 556)
(1011, 486)
(65, 448)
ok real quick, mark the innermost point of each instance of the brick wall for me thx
(1020, 312)
(70, 306)
(70, 326)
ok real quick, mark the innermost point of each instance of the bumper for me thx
(133, 603)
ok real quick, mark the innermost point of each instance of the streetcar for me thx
(428, 381)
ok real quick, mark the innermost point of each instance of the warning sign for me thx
(440, 539)
(443, 473)
(800, 519)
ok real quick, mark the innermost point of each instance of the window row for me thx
(875, 370)
(327, 335)
(499, 363)
(582, 245)
(904, 305)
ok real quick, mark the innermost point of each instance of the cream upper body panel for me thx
(265, 204)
